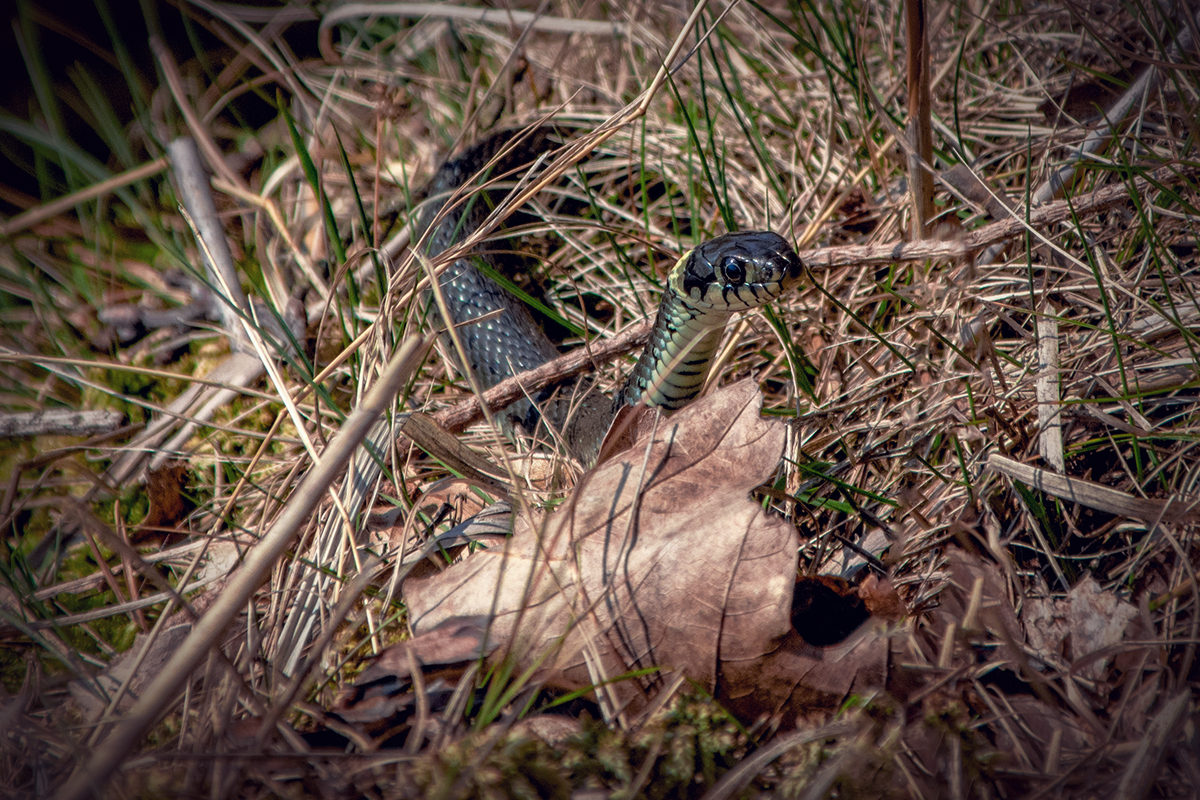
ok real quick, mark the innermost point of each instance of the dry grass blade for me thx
(1049, 411)
(202, 212)
(494, 16)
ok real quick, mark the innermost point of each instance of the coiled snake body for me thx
(731, 273)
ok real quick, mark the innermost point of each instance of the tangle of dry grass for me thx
(903, 375)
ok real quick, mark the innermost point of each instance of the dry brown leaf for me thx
(980, 600)
(92, 696)
(454, 493)
(972, 607)
(1035, 724)
(659, 559)
(974, 631)
(630, 424)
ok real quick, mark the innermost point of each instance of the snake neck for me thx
(677, 357)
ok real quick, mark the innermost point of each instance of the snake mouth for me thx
(793, 268)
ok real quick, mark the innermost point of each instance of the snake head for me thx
(737, 271)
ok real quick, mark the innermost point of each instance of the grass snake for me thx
(708, 284)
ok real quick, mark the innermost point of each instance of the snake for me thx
(707, 286)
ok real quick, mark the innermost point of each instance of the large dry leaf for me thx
(659, 560)
(827, 655)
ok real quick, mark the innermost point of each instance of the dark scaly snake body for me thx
(511, 342)
(731, 273)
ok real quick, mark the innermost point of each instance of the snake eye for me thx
(733, 271)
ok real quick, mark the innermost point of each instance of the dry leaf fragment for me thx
(797, 679)
(87, 694)
(381, 690)
(880, 598)
(168, 505)
(1086, 621)
(629, 425)
(980, 601)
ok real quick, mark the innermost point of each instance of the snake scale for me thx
(708, 284)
